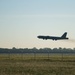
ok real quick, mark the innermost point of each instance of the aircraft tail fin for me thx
(64, 35)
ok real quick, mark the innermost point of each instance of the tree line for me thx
(35, 50)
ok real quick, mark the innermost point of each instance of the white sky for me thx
(21, 21)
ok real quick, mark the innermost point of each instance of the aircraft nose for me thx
(37, 36)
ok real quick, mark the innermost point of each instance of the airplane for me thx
(54, 37)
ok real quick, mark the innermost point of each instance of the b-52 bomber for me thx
(63, 37)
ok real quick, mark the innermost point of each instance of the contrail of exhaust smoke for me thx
(72, 40)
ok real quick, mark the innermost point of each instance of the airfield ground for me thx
(37, 64)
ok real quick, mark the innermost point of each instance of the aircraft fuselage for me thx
(51, 37)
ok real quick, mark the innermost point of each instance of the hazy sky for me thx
(21, 21)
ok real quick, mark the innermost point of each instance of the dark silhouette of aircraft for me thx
(54, 37)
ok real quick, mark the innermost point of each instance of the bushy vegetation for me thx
(35, 50)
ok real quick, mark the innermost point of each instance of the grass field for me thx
(37, 64)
